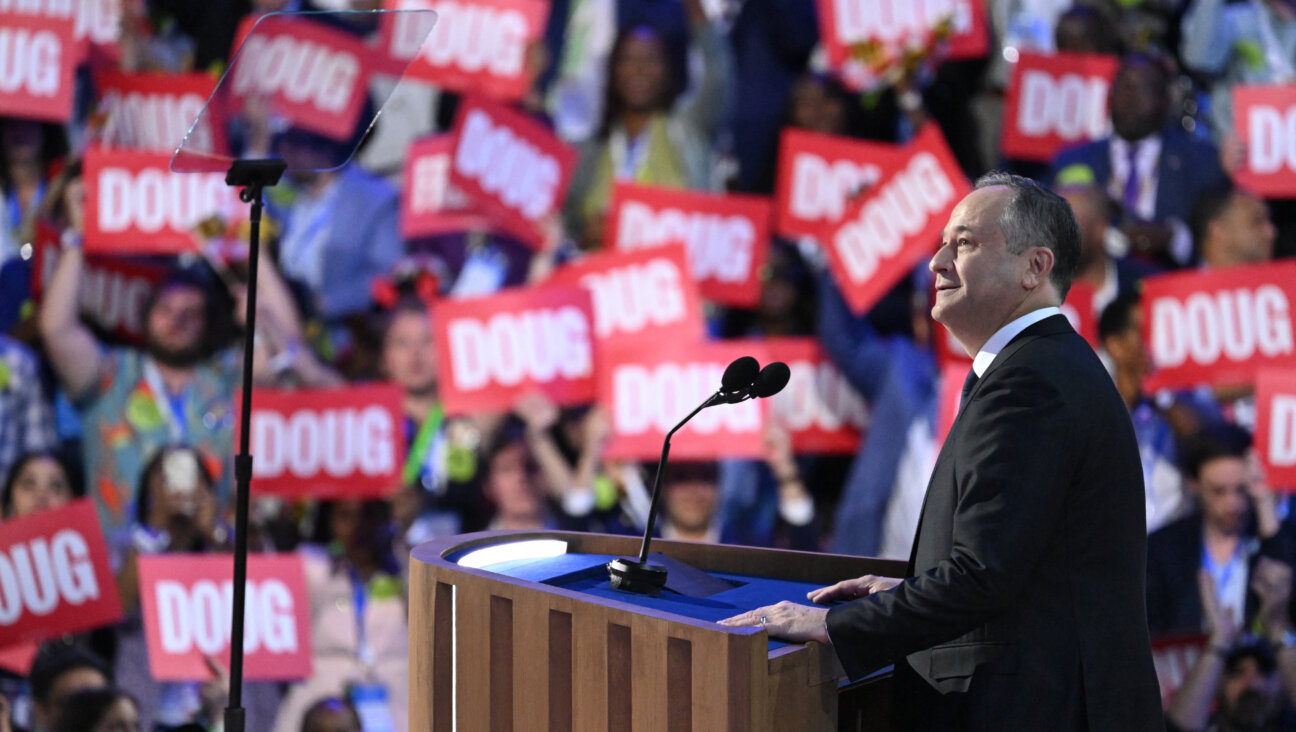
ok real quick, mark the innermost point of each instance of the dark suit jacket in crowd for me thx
(1175, 558)
(1188, 168)
(1024, 602)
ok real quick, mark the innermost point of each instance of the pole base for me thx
(631, 575)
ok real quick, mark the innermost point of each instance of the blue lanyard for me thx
(1221, 574)
(358, 599)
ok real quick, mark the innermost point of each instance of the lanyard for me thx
(359, 598)
(171, 410)
(420, 450)
(1222, 575)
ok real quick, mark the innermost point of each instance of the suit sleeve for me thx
(1013, 456)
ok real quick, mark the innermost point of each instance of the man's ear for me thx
(1039, 262)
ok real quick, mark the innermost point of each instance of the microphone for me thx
(740, 379)
(767, 383)
(771, 380)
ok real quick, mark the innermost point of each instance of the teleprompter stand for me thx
(253, 176)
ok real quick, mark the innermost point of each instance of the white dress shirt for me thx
(1004, 336)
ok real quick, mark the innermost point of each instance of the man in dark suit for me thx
(1022, 606)
(1148, 165)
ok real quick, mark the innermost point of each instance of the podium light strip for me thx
(512, 551)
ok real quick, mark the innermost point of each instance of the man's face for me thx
(1222, 487)
(1246, 233)
(979, 283)
(1138, 100)
(176, 324)
(1248, 697)
(409, 354)
(68, 683)
(1127, 348)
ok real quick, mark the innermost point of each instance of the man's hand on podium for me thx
(787, 620)
(852, 589)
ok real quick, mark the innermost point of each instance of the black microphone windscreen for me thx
(771, 379)
(740, 374)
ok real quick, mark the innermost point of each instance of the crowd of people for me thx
(685, 94)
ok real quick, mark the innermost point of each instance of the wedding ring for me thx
(763, 620)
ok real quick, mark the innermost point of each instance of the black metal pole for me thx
(254, 176)
(657, 481)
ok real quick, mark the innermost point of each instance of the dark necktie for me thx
(1130, 195)
(968, 383)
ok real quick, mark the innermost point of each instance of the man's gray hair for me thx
(1035, 216)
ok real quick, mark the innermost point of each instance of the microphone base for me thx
(631, 575)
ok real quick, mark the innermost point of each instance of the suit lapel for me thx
(1052, 325)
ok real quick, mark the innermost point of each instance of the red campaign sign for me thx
(1079, 310)
(327, 443)
(96, 25)
(821, 411)
(1218, 327)
(1174, 656)
(1056, 100)
(897, 223)
(38, 60)
(649, 387)
(496, 349)
(316, 76)
(476, 46)
(186, 603)
(727, 237)
(18, 658)
(1275, 434)
(54, 575)
(113, 291)
(154, 111)
(135, 204)
(511, 165)
(1264, 117)
(818, 175)
(429, 204)
(645, 295)
(897, 24)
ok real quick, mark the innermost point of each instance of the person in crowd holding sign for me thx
(176, 512)
(567, 446)
(1121, 336)
(650, 134)
(359, 632)
(1236, 525)
(40, 481)
(1239, 681)
(440, 491)
(1023, 602)
(1148, 165)
(26, 416)
(178, 389)
(1231, 228)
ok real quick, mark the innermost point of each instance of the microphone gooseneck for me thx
(639, 575)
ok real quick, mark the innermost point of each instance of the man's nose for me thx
(940, 261)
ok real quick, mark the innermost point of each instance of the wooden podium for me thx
(489, 651)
